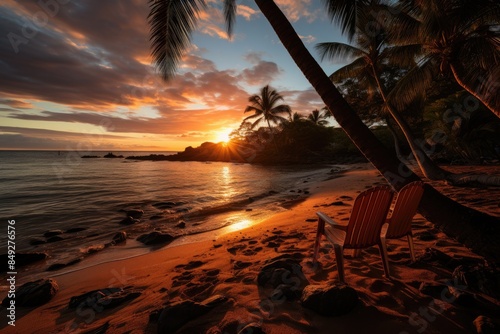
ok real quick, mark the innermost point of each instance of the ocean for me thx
(86, 200)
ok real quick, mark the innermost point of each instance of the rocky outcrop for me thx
(485, 325)
(22, 259)
(479, 278)
(155, 238)
(205, 152)
(111, 155)
(129, 221)
(285, 276)
(120, 237)
(103, 298)
(134, 213)
(34, 293)
(176, 315)
(329, 300)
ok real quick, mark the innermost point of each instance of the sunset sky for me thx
(77, 74)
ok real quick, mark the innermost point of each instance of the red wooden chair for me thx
(368, 214)
(399, 223)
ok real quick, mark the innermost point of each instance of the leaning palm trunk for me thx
(475, 229)
(426, 165)
(488, 103)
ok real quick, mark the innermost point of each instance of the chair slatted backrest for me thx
(368, 214)
(405, 208)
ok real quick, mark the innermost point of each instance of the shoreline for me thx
(236, 215)
(229, 265)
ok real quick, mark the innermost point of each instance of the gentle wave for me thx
(46, 191)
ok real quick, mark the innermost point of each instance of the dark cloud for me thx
(16, 104)
(54, 66)
(261, 74)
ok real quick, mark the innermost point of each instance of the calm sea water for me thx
(45, 191)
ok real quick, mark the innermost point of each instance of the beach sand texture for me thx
(415, 300)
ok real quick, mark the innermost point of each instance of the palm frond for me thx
(471, 13)
(356, 69)
(346, 12)
(282, 109)
(404, 55)
(404, 26)
(481, 52)
(338, 51)
(254, 108)
(413, 84)
(230, 15)
(171, 25)
(251, 117)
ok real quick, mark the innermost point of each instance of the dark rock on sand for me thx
(52, 233)
(181, 225)
(176, 315)
(120, 237)
(329, 300)
(285, 274)
(37, 241)
(90, 298)
(480, 278)
(22, 259)
(154, 238)
(34, 293)
(485, 325)
(103, 298)
(433, 289)
(55, 238)
(135, 213)
(129, 221)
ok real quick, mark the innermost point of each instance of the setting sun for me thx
(222, 136)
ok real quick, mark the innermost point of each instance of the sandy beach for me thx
(220, 277)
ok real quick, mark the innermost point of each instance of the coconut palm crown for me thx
(266, 108)
(459, 38)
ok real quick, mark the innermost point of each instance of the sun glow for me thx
(222, 136)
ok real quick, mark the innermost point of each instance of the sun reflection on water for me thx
(242, 224)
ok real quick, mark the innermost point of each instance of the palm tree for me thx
(318, 117)
(370, 56)
(266, 108)
(296, 117)
(459, 38)
(172, 22)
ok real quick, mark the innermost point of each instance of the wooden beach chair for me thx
(398, 224)
(368, 214)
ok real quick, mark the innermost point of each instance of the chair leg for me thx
(319, 232)
(339, 256)
(385, 259)
(412, 249)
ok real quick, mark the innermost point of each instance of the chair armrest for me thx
(330, 221)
